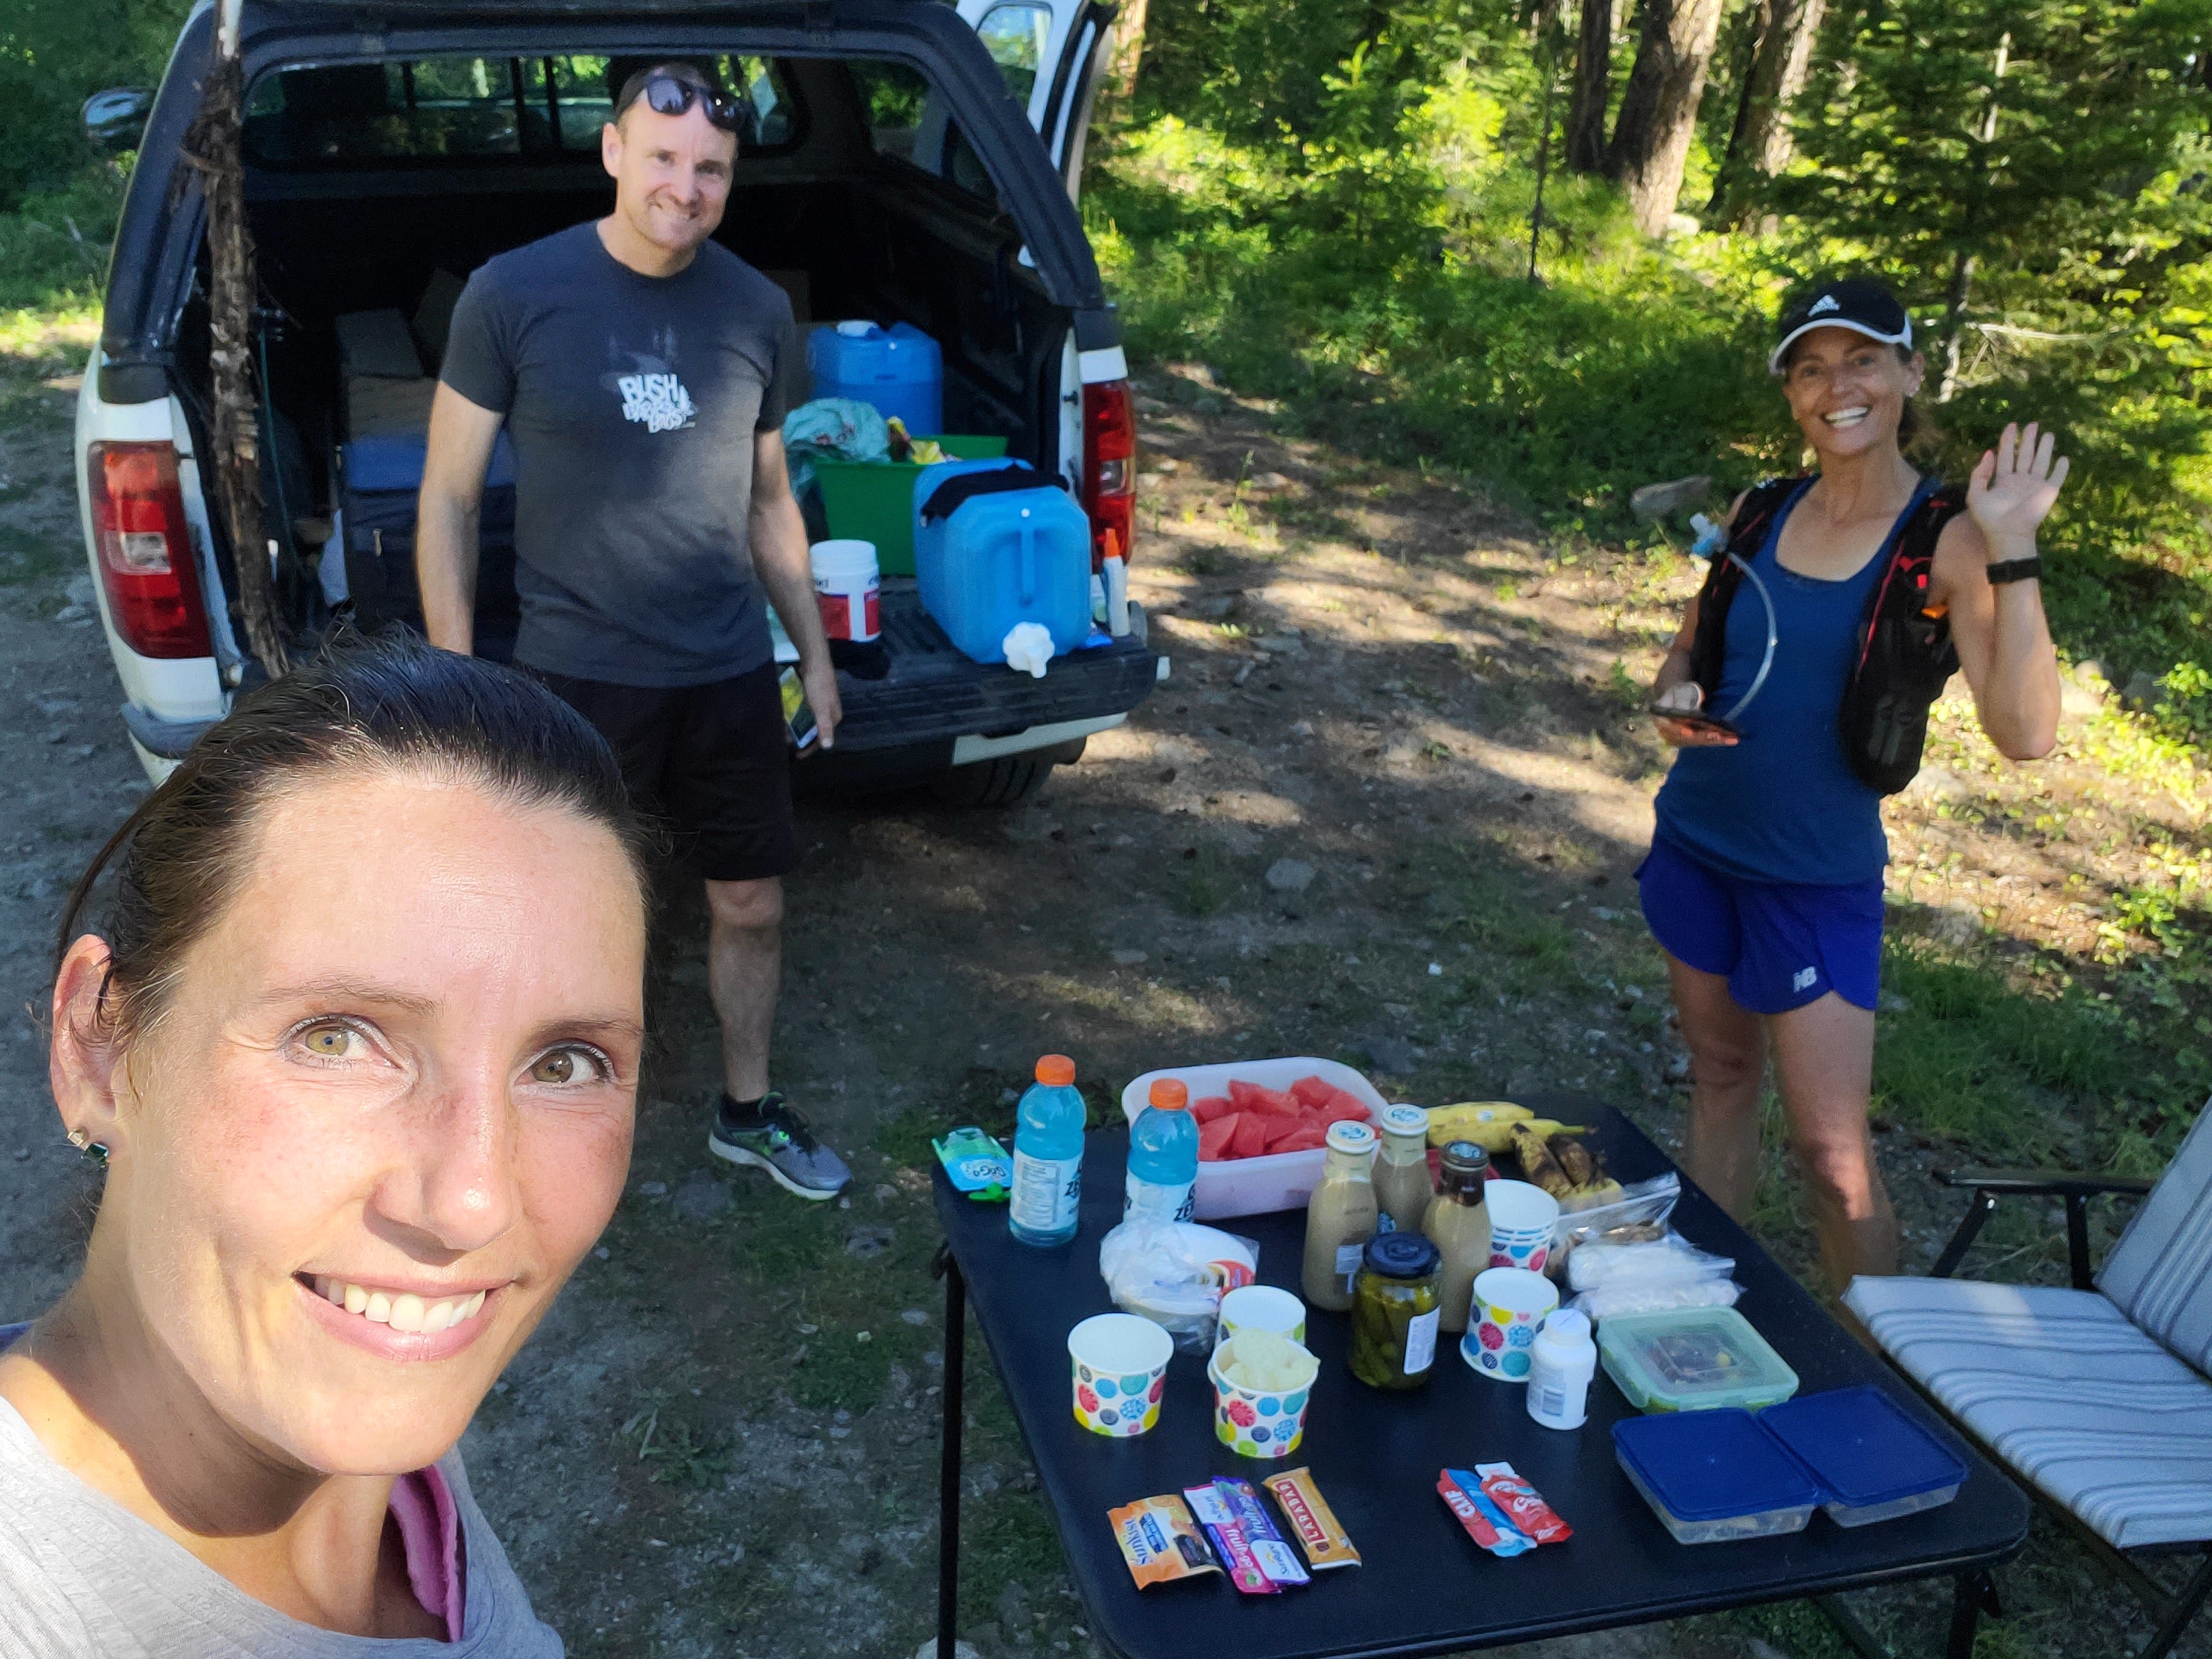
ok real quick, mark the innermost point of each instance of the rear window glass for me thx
(907, 124)
(445, 110)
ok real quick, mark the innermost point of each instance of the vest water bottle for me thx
(1047, 1156)
(1162, 1157)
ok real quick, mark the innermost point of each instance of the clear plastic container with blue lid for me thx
(1715, 1477)
(1874, 1462)
(1689, 1359)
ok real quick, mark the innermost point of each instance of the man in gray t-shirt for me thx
(642, 372)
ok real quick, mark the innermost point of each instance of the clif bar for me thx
(1522, 1504)
(1484, 1521)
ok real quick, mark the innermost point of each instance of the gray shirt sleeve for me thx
(789, 385)
(479, 352)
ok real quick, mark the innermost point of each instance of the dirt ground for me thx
(1387, 806)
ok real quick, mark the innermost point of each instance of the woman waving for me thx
(1797, 692)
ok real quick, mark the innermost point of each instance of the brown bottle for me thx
(1458, 1225)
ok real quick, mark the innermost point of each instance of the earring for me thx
(94, 1151)
(78, 1139)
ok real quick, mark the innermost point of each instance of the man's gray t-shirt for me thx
(631, 403)
(81, 1577)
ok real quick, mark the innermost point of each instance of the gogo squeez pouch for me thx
(977, 1164)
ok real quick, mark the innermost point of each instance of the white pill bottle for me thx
(1561, 1363)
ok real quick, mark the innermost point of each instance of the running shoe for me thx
(776, 1139)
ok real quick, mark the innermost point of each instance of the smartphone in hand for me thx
(797, 715)
(1692, 719)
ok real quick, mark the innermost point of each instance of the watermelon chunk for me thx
(1281, 1129)
(1213, 1137)
(1306, 1137)
(1246, 1096)
(1249, 1137)
(1312, 1091)
(1344, 1107)
(1212, 1106)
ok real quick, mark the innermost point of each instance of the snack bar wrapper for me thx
(1312, 1521)
(1258, 1566)
(1522, 1504)
(1160, 1542)
(1484, 1521)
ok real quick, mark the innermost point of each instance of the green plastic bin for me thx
(874, 501)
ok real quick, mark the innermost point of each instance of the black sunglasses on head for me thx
(668, 95)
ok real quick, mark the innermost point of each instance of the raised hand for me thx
(2013, 488)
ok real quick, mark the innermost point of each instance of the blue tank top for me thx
(1783, 805)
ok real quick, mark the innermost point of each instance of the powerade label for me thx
(1046, 1191)
(1151, 1200)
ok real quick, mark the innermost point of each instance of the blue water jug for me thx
(1019, 552)
(899, 369)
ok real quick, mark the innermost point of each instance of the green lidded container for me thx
(874, 501)
(1689, 1359)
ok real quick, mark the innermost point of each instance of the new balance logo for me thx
(1822, 306)
(1803, 979)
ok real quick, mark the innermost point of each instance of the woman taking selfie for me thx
(356, 1038)
(1797, 693)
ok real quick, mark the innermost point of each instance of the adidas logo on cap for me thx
(1825, 303)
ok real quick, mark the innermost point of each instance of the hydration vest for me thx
(1904, 652)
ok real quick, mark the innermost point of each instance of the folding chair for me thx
(2095, 1396)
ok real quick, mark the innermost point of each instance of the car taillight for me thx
(1109, 468)
(145, 550)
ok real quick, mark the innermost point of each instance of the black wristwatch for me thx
(2016, 570)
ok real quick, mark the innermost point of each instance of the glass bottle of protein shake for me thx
(1458, 1225)
(1402, 1187)
(1340, 1217)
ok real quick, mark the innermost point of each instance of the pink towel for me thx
(430, 1529)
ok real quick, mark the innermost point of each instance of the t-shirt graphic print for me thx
(653, 394)
(633, 404)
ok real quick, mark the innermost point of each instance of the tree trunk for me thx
(211, 146)
(1731, 165)
(1962, 263)
(1659, 108)
(1760, 146)
(1129, 47)
(1592, 86)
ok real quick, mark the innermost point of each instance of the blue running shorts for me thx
(1782, 945)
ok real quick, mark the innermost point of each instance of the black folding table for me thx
(1424, 1586)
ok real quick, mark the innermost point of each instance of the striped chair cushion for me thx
(2065, 1391)
(2159, 1274)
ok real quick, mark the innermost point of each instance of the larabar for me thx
(1319, 1534)
(1524, 1504)
(1276, 1559)
(1484, 1521)
(1230, 1541)
(1160, 1542)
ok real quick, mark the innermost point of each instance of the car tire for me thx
(1004, 781)
(1008, 780)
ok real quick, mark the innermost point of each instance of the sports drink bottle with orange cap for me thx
(1162, 1156)
(1047, 1156)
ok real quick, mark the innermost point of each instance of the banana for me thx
(1574, 1158)
(1496, 1137)
(1465, 1120)
(1537, 1163)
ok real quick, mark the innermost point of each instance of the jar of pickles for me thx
(1395, 1306)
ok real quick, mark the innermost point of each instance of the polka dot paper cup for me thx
(1521, 1218)
(1510, 1306)
(1256, 1422)
(1120, 1365)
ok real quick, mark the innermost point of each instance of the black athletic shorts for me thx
(713, 760)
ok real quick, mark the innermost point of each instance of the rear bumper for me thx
(934, 700)
(934, 694)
